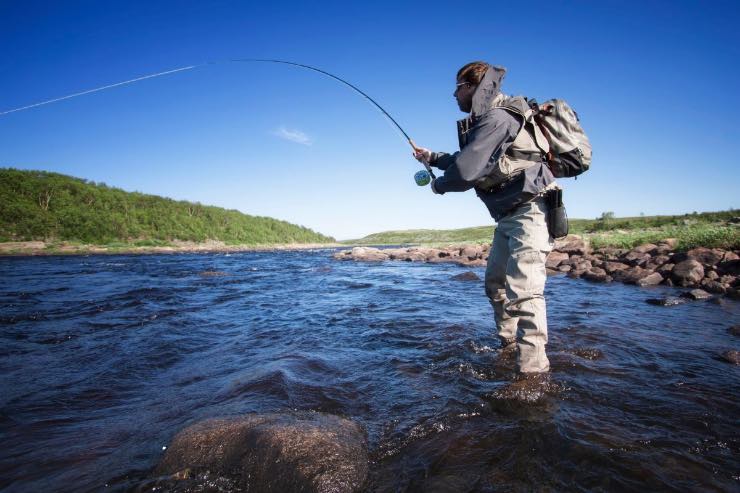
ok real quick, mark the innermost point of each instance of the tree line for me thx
(39, 205)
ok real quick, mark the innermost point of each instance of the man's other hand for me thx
(422, 154)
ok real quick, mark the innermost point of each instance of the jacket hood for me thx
(489, 88)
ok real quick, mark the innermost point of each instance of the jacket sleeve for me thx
(490, 136)
(442, 160)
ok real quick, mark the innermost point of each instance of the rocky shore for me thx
(705, 271)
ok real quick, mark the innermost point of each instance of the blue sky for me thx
(654, 84)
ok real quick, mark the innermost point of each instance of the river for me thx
(103, 359)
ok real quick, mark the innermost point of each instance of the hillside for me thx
(708, 229)
(38, 205)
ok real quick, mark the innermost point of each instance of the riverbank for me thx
(706, 271)
(707, 229)
(35, 248)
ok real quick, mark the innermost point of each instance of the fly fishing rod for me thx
(422, 177)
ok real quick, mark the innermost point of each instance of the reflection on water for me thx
(103, 359)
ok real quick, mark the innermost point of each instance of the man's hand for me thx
(422, 154)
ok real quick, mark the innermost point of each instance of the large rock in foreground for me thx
(307, 452)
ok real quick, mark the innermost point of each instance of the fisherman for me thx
(502, 157)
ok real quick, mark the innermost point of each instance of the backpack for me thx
(570, 149)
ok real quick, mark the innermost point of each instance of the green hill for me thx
(37, 205)
(709, 229)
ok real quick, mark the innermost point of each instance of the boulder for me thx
(713, 286)
(610, 253)
(730, 256)
(368, 254)
(711, 275)
(645, 248)
(728, 280)
(733, 293)
(688, 273)
(432, 253)
(555, 258)
(571, 244)
(576, 273)
(583, 265)
(471, 252)
(630, 275)
(706, 256)
(471, 263)
(597, 275)
(415, 256)
(551, 272)
(729, 267)
(697, 294)
(652, 279)
(636, 258)
(659, 260)
(466, 276)
(312, 452)
(662, 250)
(564, 268)
(731, 356)
(610, 267)
(665, 269)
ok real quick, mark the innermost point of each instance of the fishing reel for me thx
(422, 178)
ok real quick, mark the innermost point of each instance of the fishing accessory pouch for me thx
(557, 218)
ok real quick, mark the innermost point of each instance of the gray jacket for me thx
(492, 131)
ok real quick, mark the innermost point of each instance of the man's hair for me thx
(473, 72)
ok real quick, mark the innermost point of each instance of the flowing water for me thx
(104, 358)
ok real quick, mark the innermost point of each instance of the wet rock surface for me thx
(714, 270)
(466, 276)
(668, 301)
(731, 356)
(307, 451)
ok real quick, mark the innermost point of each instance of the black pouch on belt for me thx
(557, 219)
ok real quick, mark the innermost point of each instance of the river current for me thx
(103, 359)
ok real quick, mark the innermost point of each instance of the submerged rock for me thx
(588, 353)
(466, 276)
(731, 356)
(668, 301)
(734, 330)
(312, 452)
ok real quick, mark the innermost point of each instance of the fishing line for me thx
(89, 91)
(236, 60)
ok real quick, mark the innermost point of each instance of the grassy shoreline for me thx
(145, 247)
(708, 229)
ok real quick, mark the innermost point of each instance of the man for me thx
(502, 156)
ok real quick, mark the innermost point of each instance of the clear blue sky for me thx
(654, 83)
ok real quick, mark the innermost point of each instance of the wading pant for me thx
(515, 283)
